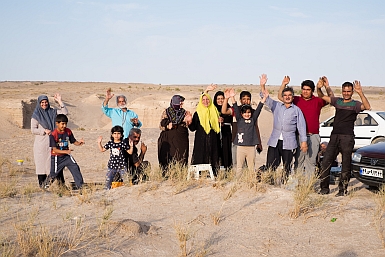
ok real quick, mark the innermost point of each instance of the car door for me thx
(326, 129)
(365, 128)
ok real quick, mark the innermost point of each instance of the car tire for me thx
(378, 140)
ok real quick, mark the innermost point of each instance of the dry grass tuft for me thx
(183, 234)
(304, 201)
(379, 214)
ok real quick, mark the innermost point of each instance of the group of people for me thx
(225, 136)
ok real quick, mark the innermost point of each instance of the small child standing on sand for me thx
(61, 157)
(117, 163)
(246, 138)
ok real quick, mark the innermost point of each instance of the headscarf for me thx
(227, 118)
(45, 117)
(174, 113)
(208, 116)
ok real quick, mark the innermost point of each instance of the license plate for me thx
(371, 172)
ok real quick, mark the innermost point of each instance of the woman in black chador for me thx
(224, 137)
(173, 143)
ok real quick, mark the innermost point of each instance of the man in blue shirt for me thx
(288, 119)
(121, 116)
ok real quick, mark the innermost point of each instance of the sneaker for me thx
(342, 193)
(324, 191)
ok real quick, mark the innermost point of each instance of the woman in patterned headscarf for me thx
(42, 124)
(205, 123)
(173, 143)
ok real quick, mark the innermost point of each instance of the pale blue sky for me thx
(192, 42)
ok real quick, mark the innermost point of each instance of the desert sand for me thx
(220, 218)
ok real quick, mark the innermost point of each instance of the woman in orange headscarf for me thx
(205, 123)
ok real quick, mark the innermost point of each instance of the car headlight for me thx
(356, 157)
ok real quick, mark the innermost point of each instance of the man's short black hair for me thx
(308, 83)
(288, 89)
(117, 129)
(245, 93)
(347, 84)
(61, 118)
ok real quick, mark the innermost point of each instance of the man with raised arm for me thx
(310, 106)
(288, 119)
(342, 135)
(120, 116)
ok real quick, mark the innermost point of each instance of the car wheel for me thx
(378, 140)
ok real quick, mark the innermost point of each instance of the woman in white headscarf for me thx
(42, 124)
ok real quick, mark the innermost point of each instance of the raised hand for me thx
(227, 93)
(286, 80)
(100, 138)
(109, 95)
(263, 79)
(232, 92)
(211, 87)
(188, 118)
(357, 86)
(143, 148)
(57, 98)
(320, 83)
(325, 80)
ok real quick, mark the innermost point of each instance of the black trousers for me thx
(343, 144)
(274, 156)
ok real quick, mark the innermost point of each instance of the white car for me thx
(369, 128)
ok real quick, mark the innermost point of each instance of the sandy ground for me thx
(252, 222)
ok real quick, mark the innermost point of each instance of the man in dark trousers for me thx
(342, 136)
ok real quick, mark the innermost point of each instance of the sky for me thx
(192, 42)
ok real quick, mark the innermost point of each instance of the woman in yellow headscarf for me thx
(205, 123)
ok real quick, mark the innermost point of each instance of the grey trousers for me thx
(308, 161)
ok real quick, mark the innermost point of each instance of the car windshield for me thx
(381, 114)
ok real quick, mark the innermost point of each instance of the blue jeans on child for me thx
(111, 173)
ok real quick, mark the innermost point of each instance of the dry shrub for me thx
(379, 214)
(183, 234)
(8, 187)
(304, 200)
(40, 241)
(104, 224)
(216, 217)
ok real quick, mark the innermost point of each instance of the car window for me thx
(329, 123)
(381, 114)
(365, 119)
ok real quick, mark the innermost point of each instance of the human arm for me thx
(58, 151)
(101, 148)
(262, 82)
(285, 82)
(130, 150)
(211, 87)
(136, 122)
(194, 123)
(257, 111)
(301, 127)
(358, 88)
(187, 118)
(321, 95)
(225, 110)
(164, 122)
(329, 91)
(143, 150)
(109, 95)
(63, 108)
(38, 130)
(79, 142)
